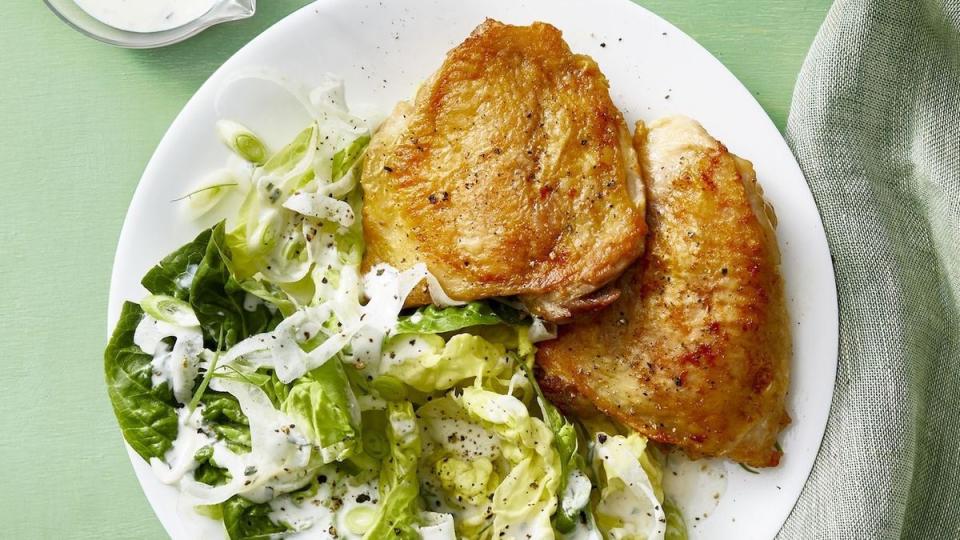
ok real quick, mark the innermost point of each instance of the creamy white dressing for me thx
(695, 486)
(326, 512)
(409, 349)
(146, 16)
(191, 437)
(460, 437)
(185, 280)
(576, 494)
(177, 365)
(277, 462)
(251, 302)
(280, 452)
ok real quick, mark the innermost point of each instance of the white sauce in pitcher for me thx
(146, 15)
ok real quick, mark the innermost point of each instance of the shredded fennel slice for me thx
(436, 526)
(541, 330)
(178, 365)
(321, 207)
(362, 327)
(628, 506)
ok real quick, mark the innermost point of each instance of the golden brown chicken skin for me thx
(511, 173)
(696, 350)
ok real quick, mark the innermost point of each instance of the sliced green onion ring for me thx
(169, 310)
(360, 518)
(242, 141)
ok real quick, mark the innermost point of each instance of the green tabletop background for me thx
(80, 120)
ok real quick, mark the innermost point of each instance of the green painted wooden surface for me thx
(79, 122)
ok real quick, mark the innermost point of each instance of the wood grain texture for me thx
(80, 121)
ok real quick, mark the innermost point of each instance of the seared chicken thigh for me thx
(511, 173)
(696, 350)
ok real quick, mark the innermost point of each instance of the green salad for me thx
(287, 394)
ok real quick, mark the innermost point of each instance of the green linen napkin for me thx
(875, 125)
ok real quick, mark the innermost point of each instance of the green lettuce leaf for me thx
(437, 320)
(218, 299)
(428, 363)
(222, 413)
(324, 403)
(245, 520)
(146, 414)
(399, 510)
(263, 379)
(207, 470)
(172, 275)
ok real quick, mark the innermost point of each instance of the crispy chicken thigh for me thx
(696, 350)
(510, 173)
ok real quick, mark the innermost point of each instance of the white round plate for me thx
(384, 49)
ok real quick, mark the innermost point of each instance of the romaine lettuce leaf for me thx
(436, 320)
(207, 470)
(323, 404)
(245, 520)
(146, 414)
(222, 413)
(399, 510)
(173, 275)
(220, 303)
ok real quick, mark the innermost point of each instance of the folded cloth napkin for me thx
(875, 125)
